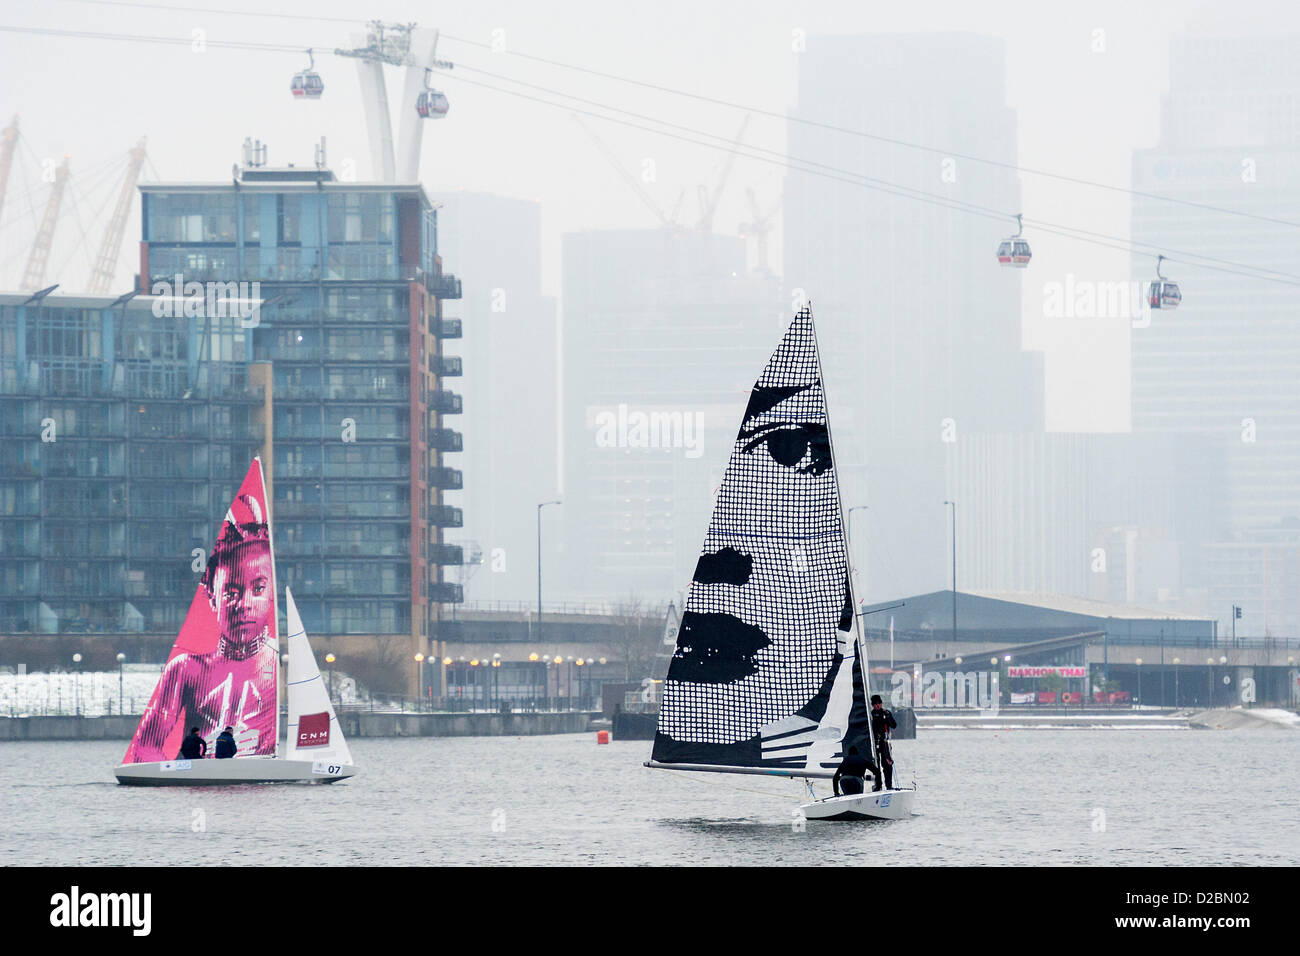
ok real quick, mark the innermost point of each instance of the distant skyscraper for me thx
(511, 425)
(921, 327)
(1224, 367)
(663, 334)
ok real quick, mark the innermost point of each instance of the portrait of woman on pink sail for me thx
(234, 682)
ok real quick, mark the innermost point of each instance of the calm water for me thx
(1176, 797)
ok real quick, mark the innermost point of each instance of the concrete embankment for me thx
(1012, 720)
(1241, 718)
(355, 724)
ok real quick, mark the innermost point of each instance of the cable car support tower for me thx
(395, 44)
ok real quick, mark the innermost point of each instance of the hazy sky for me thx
(1080, 112)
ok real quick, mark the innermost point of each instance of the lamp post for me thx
(121, 660)
(1222, 663)
(76, 685)
(954, 569)
(329, 659)
(446, 697)
(496, 680)
(540, 506)
(419, 674)
(1138, 661)
(1209, 682)
(1176, 663)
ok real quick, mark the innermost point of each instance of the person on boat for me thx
(882, 722)
(850, 776)
(235, 683)
(194, 747)
(226, 744)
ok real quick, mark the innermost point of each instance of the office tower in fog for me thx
(1223, 367)
(509, 346)
(921, 327)
(664, 334)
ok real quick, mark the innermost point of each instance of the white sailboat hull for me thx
(878, 805)
(232, 772)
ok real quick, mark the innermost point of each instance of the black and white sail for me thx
(766, 675)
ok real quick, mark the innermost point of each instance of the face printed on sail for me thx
(224, 668)
(768, 623)
(242, 597)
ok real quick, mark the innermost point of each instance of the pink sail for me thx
(223, 670)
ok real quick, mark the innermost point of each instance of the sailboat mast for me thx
(859, 643)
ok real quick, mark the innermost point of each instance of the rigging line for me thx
(773, 114)
(918, 193)
(1073, 232)
(93, 183)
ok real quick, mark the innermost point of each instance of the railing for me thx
(446, 287)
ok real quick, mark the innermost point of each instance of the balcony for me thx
(448, 366)
(446, 403)
(446, 439)
(448, 555)
(445, 516)
(445, 287)
(446, 593)
(448, 479)
(448, 329)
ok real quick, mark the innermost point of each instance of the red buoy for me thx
(602, 736)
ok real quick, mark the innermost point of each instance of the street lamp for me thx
(1209, 682)
(121, 660)
(419, 674)
(1138, 661)
(76, 684)
(954, 568)
(1176, 663)
(496, 680)
(540, 506)
(330, 659)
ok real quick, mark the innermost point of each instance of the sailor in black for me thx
(193, 747)
(848, 778)
(882, 722)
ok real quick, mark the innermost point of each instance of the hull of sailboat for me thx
(878, 805)
(226, 773)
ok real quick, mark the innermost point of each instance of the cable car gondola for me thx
(1163, 293)
(1014, 250)
(431, 104)
(307, 84)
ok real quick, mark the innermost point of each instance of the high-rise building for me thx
(511, 423)
(353, 328)
(921, 327)
(1222, 368)
(124, 431)
(664, 334)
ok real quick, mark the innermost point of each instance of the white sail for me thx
(314, 730)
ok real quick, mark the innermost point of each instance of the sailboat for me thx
(224, 671)
(768, 675)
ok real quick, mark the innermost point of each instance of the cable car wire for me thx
(730, 104)
(907, 192)
(857, 179)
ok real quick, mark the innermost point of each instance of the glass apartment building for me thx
(352, 328)
(123, 436)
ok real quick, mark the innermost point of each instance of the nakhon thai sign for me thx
(1070, 670)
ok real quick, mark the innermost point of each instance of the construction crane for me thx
(8, 140)
(101, 276)
(709, 204)
(759, 228)
(670, 221)
(40, 254)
